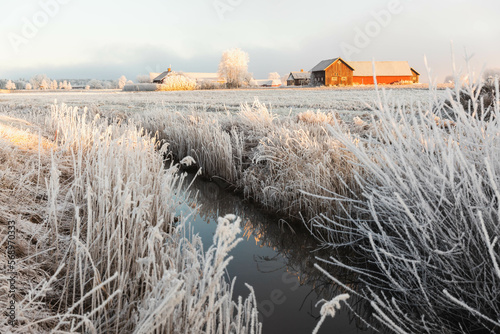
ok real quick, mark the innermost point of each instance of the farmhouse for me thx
(332, 72)
(299, 78)
(159, 79)
(198, 77)
(387, 72)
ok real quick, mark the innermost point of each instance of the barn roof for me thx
(300, 75)
(323, 65)
(382, 68)
(413, 70)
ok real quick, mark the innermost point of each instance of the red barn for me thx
(387, 72)
(332, 72)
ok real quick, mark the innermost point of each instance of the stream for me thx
(277, 260)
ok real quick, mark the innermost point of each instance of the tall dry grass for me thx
(114, 258)
(429, 218)
(277, 161)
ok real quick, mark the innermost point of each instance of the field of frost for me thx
(280, 101)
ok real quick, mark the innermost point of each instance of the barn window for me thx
(344, 78)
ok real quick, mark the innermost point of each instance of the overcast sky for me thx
(105, 39)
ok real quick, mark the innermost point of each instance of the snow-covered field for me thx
(280, 101)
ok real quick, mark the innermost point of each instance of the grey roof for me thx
(161, 76)
(323, 65)
(382, 68)
(300, 75)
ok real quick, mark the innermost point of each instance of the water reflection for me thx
(277, 259)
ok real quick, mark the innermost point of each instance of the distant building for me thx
(416, 75)
(337, 72)
(299, 78)
(332, 72)
(387, 72)
(268, 83)
(205, 77)
(199, 77)
(159, 79)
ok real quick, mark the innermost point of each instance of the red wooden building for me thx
(332, 72)
(337, 72)
(387, 72)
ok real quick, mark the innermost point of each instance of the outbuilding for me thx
(299, 78)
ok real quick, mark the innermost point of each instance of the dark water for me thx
(278, 263)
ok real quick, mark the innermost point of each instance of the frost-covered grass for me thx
(280, 101)
(98, 247)
(275, 160)
(428, 220)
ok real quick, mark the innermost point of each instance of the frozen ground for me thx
(281, 101)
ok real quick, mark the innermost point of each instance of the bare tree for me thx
(233, 67)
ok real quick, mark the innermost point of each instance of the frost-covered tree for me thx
(87, 87)
(68, 86)
(44, 84)
(95, 84)
(53, 85)
(274, 76)
(10, 85)
(144, 79)
(122, 82)
(233, 67)
(177, 81)
(28, 86)
(114, 84)
(37, 80)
